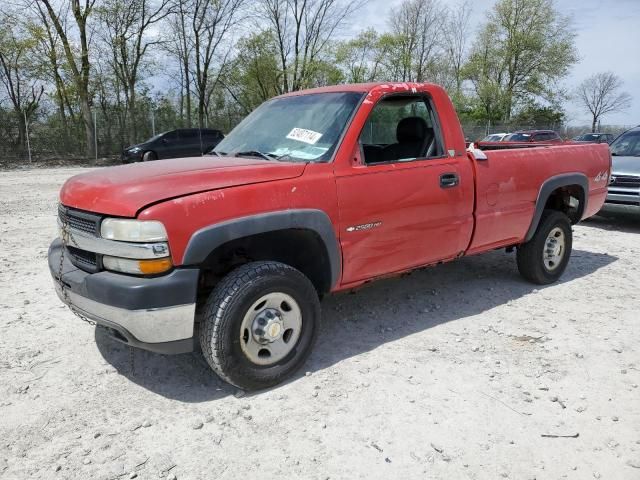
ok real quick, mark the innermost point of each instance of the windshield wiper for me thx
(220, 154)
(257, 153)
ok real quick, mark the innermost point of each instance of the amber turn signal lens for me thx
(152, 267)
(137, 267)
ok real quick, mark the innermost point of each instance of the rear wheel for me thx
(544, 258)
(260, 324)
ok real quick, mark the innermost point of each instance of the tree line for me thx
(139, 65)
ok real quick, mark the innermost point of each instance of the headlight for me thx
(128, 230)
(134, 150)
(137, 267)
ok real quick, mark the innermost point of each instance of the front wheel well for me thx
(302, 249)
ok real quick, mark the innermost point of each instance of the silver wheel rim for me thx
(554, 249)
(271, 328)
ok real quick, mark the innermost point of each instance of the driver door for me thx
(403, 202)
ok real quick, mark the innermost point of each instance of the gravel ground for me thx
(455, 372)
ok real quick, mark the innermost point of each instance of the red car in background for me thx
(523, 139)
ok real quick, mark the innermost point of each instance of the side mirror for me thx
(165, 140)
(477, 153)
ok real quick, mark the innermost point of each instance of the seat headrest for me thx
(411, 129)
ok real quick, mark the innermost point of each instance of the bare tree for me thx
(178, 44)
(456, 35)
(600, 94)
(127, 26)
(303, 29)
(416, 25)
(211, 24)
(77, 58)
(51, 54)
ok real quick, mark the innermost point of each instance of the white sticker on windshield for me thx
(304, 135)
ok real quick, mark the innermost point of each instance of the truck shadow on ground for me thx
(357, 322)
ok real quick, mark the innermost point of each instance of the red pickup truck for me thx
(314, 192)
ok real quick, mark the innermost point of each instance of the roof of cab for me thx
(364, 88)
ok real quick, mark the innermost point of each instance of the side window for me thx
(189, 135)
(400, 128)
(546, 136)
(170, 137)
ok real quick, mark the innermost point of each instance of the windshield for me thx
(302, 127)
(627, 144)
(155, 137)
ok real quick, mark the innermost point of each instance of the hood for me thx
(625, 165)
(126, 189)
(134, 146)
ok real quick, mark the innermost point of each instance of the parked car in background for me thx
(495, 137)
(534, 136)
(184, 142)
(624, 183)
(594, 138)
(523, 139)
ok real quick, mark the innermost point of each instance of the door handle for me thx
(448, 180)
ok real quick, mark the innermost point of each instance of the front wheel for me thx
(260, 324)
(544, 258)
(149, 156)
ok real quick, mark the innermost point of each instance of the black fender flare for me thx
(207, 239)
(547, 188)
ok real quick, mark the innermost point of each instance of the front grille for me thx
(87, 223)
(82, 221)
(628, 181)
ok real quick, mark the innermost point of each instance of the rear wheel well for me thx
(302, 249)
(569, 199)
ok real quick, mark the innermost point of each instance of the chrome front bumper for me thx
(156, 314)
(620, 196)
(151, 325)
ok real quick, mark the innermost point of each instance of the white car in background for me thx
(494, 137)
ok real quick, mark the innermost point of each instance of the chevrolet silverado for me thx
(314, 192)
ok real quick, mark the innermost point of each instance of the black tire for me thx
(149, 156)
(225, 310)
(530, 255)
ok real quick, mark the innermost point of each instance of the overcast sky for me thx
(608, 38)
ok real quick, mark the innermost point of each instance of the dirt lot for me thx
(454, 372)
